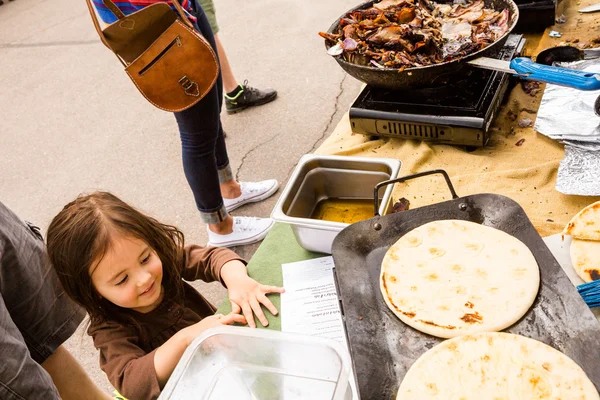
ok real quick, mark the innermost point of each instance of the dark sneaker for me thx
(249, 97)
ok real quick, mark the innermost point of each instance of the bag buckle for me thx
(189, 87)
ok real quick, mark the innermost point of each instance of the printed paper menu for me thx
(310, 305)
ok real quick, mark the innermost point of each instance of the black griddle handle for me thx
(408, 177)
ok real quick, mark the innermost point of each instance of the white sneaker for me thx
(252, 192)
(246, 230)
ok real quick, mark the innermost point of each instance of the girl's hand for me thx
(247, 295)
(192, 331)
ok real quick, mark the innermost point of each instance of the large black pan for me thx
(393, 78)
(383, 348)
(437, 74)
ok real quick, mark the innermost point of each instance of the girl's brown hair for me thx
(81, 234)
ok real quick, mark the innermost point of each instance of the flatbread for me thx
(585, 224)
(585, 257)
(494, 365)
(449, 278)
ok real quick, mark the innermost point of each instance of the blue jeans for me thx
(205, 160)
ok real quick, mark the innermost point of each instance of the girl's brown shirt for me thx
(127, 349)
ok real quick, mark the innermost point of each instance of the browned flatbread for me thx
(585, 225)
(585, 257)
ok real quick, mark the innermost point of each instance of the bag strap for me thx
(115, 10)
(119, 14)
(97, 24)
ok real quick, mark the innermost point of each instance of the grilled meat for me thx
(411, 33)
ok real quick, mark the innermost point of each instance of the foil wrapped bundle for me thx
(579, 172)
(569, 115)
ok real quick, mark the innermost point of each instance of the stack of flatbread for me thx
(584, 228)
(461, 280)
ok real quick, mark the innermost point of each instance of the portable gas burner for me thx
(535, 15)
(458, 111)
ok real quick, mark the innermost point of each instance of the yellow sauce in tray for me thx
(347, 211)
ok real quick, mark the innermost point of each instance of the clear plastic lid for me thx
(257, 364)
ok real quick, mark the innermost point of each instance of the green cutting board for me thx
(279, 247)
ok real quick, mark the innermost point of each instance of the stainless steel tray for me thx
(318, 177)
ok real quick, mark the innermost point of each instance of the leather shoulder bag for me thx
(169, 62)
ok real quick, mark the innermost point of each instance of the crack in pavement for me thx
(335, 111)
(239, 169)
(47, 44)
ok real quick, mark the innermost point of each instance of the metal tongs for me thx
(566, 54)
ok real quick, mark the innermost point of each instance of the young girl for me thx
(126, 270)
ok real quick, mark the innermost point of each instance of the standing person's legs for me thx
(229, 82)
(200, 130)
(207, 169)
(238, 96)
(234, 194)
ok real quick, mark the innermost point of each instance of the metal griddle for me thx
(383, 348)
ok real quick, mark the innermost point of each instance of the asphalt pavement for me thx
(72, 122)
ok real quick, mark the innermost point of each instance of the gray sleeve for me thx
(32, 296)
(21, 378)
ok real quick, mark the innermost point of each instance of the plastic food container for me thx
(319, 178)
(258, 364)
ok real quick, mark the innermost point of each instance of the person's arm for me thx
(218, 263)
(70, 379)
(205, 263)
(135, 373)
(168, 355)
(127, 366)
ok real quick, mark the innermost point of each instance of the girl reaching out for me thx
(127, 270)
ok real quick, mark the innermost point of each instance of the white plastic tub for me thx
(257, 364)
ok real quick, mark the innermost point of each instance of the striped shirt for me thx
(131, 6)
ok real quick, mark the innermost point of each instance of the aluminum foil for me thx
(592, 146)
(568, 114)
(579, 172)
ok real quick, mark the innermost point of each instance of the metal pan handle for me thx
(406, 178)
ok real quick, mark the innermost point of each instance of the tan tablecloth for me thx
(525, 173)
